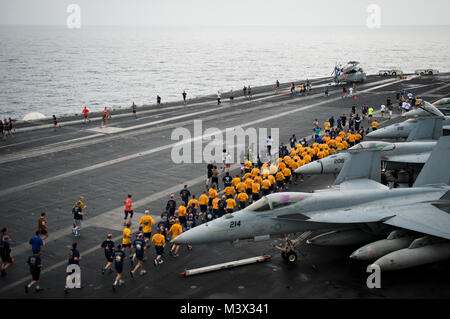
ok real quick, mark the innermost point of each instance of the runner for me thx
(159, 241)
(126, 240)
(2, 130)
(86, 114)
(147, 221)
(219, 95)
(128, 209)
(185, 194)
(158, 100)
(77, 219)
(134, 109)
(42, 226)
(35, 264)
(175, 231)
(184, 97)
(139, 246)
(74, 259)
(36, 242)
(55, 123)
(118, 256)
(108, 246)
(5, 253)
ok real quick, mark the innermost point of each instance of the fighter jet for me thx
(359, 205)
(421, 142)
(403, 129)
(428, 109)
(352, 72)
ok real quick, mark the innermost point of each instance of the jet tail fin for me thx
(429, 128)
(361, 164)
(436, 170)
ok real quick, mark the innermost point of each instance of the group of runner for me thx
(6, 128)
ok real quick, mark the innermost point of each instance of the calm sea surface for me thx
(55, 70)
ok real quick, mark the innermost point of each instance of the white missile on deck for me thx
(398, 239)
(231, 264)
(341, 237)
(421, 252)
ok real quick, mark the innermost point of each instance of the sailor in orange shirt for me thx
(229, 191)
(265, 185)
(212, 193)
(248, 186)
(331, 151)
(147, 221)
(159, 241)
(175, 230)
(293, 153)
(128, 209)
(281, 166)
(231, 204)
(242, 199)
(255, 191)
(358, 138)
(280, 180)
(203, 201)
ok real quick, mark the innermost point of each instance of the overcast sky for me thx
(225, 12)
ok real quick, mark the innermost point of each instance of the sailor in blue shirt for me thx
(139, 246)
(36, 242)
(35, 264)
(119, 256)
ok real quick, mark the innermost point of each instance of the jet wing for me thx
(420, 217)
(361, 183)
(418, 158)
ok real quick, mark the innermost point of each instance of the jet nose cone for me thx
(380, 133)
(310, 168)
(361, 254)
(195, 235)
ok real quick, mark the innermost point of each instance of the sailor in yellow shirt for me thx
(374, 125)
(215, 205)
(247, 175)
(182, 214)
(242, 199)
(203, 201)
(351, 139)
(126, 238)
(358, 137)
(159, 241)
(345, 144)
(293, 153)
(147, 221)
(212, 193)
(327, 126)
(265, 186)
(280, 180)
(306, 159)
(255, 191)
(229, 191)
(231, 204)
(175, 230)
(248, 186)
(248, 166)
(331, 151)
(193, 202)
(241, 187)
(281, 166)
(235, 181)
(257, 179)
(272, 181)
(287, 176)
(321, 154)
(255, 172)
(340, 146)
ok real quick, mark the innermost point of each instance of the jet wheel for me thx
(291, 257)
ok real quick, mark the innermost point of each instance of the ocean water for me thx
(56, 70)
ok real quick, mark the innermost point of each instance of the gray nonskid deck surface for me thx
(52, 179)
